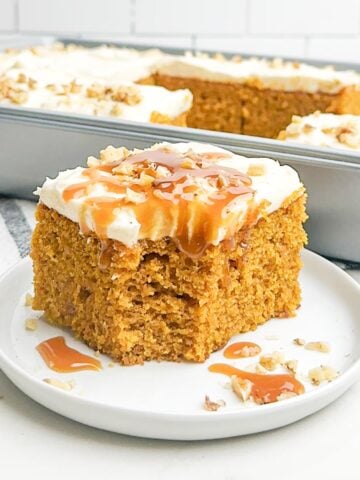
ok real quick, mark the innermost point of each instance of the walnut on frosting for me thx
(129, 95)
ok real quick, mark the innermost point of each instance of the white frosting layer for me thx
(152, 99)
(324, 129)
(275, 74)
(108, 64)
(275, 184)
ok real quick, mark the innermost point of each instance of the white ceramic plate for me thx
(165, 400)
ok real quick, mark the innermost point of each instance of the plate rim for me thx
(341, 383)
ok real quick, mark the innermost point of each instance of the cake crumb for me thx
(271, 360)
(299, 341)
(241, 387)
(97, 353)
(211, 406)
(291, 366)
(31, 324)
(111, 364)
(28, 300)
(59, 384)
(323, 347)
(323, 373)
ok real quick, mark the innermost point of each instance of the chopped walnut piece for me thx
(96, 91)
(74, 87)
(28, 300)
(241, 387)
(59, 384)
(129, 95)
(134, 197)
(31, 324)
(321, 374)
(260, 369)
(299, 341)
(18, 97)
(285, 396)
(291, 366)
(116, 110)
(323, 347)
(211, 406)
(219, 56)
(271, 360)
(93, 162)
(32, 83)
(111, 154)
(22, 78)
(256, 170)
(308, 128)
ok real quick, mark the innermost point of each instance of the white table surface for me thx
(36, 443)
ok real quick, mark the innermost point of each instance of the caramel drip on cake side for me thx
(265, 388)
(173, 194)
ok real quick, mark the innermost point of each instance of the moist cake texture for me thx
(166, 253)
(325, 130)
(249, 96)
(257, 96)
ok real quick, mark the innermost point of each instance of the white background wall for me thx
(328, 29)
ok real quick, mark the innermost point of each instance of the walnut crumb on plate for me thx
(271, 360)
(291, 366)
(58, 384)
(241, 387)
(299, 341)
(211, 406)
(323, 347)
(31, 324)
(321, 374)
(28, 300)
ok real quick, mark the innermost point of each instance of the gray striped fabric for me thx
(16, 223)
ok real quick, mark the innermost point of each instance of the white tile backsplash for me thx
(325, 29)
(257, 46)
(192, 17)
(343, 49)
(75, 16)
(304, 17)
(8, 14)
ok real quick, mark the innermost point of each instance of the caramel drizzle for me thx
(265, 388)
(172, 199)
(242, 350)
(63, 359)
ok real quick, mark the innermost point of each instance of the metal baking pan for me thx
(36, 143)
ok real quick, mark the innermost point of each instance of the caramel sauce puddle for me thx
(242, 350)
(63, 359)
(265, 388)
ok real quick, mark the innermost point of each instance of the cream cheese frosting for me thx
(234, 188)
(59, 78)
(60, 64)
(122, 101)
(275, 74)
(325, 130)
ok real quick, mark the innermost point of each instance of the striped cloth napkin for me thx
(16, 224)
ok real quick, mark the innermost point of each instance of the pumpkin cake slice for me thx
(166, 253)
